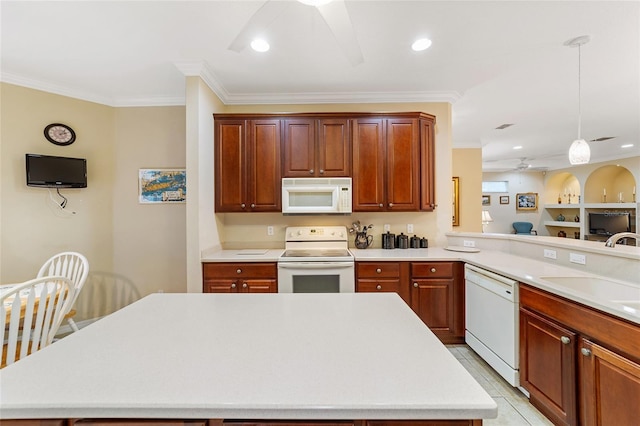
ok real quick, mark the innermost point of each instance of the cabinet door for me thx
(220, 286)
(433, 301)
(610, 387)
(230, 173)
(368, 165)
(259, 286)
(548, 367)
(427, 166)
(299, 147)
(403, 165)
(334, 148)
(264, 181)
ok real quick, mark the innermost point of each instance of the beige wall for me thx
(467, 166)
(144, 244)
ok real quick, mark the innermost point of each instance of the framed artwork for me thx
(456, 201)
(504, 199)
(162, 186)
(527, 201)
(486, 200)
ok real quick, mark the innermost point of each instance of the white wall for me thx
(504, 215)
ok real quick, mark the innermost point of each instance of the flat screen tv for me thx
(56, 172)
(609, 223)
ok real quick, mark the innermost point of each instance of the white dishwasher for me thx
(491, 311)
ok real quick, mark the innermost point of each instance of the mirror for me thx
(456, 201)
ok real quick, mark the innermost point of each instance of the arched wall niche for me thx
(611, 184)
(563, 187)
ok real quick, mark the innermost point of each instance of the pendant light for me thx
(579, 151)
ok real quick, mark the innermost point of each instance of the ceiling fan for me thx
(333, 12)
(523, 166)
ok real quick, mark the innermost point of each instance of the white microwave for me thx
(316, 195)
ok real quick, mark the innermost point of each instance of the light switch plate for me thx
(269, 230)
(468, 243)
(550, 254)
(410, 228)
(578, 258)
(387, 227)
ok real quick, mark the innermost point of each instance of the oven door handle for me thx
(315, 265)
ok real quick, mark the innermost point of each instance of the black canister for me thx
(424, 243)
(414, 242)
(388, 240)
(402, 241)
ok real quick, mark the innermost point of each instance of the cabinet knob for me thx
(390, 204)
(378, 287)
(238, 271)
(253, 206)
(415, 285)
(311, 171)
(233, 285)
(381, 205)
(585, 352)
(378, 271)
(243, 205)
(565, 340)
(433, 269)
(321, 171)
(244, 285)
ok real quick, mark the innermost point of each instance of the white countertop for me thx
(250, 356)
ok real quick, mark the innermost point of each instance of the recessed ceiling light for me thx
(260, 45)
(517, 147)
(421, 44)
(627, 145)
(315, 3)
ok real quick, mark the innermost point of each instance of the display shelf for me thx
(562, 206)
(562, 224)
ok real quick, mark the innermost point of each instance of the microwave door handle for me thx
(316, 265)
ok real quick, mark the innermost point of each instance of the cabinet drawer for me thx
(432, 270)
(377, 270)
(371, 285)
(240, 270)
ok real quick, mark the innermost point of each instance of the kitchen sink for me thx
(601, 288)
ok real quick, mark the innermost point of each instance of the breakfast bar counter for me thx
(290, 357)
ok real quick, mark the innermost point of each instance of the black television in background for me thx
(609, 223)
(56, 172)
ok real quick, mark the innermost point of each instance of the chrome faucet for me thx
(612, 240)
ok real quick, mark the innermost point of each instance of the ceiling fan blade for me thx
(258, 23)
(336, 15)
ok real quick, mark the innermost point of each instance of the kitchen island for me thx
(294, 357)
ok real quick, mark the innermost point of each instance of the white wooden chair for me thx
(30, 315)
(73, 266)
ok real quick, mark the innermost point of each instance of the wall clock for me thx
(59, 134)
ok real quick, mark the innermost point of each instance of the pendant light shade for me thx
(579, 151)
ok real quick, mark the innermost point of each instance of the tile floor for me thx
(514, 408)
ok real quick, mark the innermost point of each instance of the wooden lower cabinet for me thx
(236, 277)
(383, 277)
(434, 290)
(437, 296)
(581, 366)
(548, 367)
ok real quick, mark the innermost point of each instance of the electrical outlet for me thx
(410, 228)
(387, 227)
(269, 230)
(468, 243)
(578, 258)
(550, 254)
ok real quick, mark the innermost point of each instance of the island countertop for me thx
(248, 356)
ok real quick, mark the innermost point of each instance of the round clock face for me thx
(59, 134)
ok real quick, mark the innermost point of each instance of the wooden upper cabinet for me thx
(316, 147)
(386, 164)
(247, 165)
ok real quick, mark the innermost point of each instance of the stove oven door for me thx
(316, 277)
